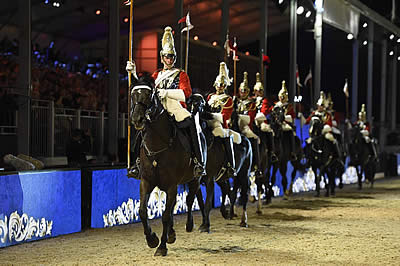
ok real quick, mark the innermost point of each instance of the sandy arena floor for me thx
(354, 228)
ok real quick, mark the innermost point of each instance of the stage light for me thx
(391, 53)
(196, 38)
(247, 53)
(126, 19)
(391, 36)
(365, 42)
(46, 1)
(308, 14)
(398, 58)
(214, 43)
(280, 1)
(300, 10)
(365, 25)
(398, 40)
(350, 36)
(98, 12)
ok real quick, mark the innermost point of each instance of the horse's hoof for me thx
(244, 224)
(258, 212)
(152, 240)
(189, 227)
(204, 229)
(161, 252)
(340, 185)
(252, 199)
(171, 237)
(225, 214)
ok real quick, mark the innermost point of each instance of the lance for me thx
(234, 67)
(129, 2)
(188, 27)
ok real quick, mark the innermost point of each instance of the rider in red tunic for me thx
(173, 88)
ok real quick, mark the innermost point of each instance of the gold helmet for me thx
(223, 77)
(362, 115)
(258, 86)
(322, 99)
(283, 94)
(244, 89)
(167, 43)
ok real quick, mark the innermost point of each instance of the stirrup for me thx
(198, 169)
(230, 170)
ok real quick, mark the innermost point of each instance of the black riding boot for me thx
(199, 168)
(230, 162)
(274, 158)
(337, 149)
(293, 156)
(135, 169)
(373, 150)
(256, 152)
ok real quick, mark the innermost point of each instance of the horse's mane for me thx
(144, 79)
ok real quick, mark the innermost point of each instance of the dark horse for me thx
(321, 156)
(283, 151)
(164, 158)
(361, 157)
(216, 157)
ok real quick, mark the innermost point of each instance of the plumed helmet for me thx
(362, 115)
(283, 94)
(223, 77)
(244, 86)
(258, 86)
(167, 42)
(322, 99)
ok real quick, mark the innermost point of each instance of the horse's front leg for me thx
(359, 176)
(244, 184)
(194, 186)
(205, 226)
(283, 171)
(167, 221)
(317, 181)
(145, 190)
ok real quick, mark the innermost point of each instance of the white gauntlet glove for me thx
(130, 66)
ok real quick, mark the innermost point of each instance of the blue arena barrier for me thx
(116, 199)
(39, 204)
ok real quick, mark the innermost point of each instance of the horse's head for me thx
(144, 101)
(316, 126)
(196, 104)
(276, 117)
(355, 135)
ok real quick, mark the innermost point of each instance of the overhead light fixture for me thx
(46, 1)
(398, 40)
(126, 19)
(365, 25)
(196, 38)
(350, 36)
(98, 12)
(398, 58)
(280, 1)
(391, 53)
(365, 42)
(214, 43)
(247, 53)
(300, 10)
(319, 4)
(391, 36)
(308, 14)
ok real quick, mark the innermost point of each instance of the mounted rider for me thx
(329, 109)
(322, 114)
(260, 120)
(173, 88)
(290, 115)
(221, 105)
(365, 130)
(246, 108)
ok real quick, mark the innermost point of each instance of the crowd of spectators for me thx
(68, 82)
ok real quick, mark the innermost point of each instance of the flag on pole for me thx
(266, 60)
(308, 77)
(234, 49)
(227, 45)
(186, 19)
(127, 2)
(346, 89)
(298, 76)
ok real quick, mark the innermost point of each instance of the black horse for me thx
(283, 151)
(322, 157)
(165, 161)
(361, 157)
(216, 157)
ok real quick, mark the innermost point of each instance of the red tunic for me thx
(252, 113)
(265, 108)
(184, 84)
(226, 110)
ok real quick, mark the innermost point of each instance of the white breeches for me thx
(336, 130)
(329, 136)
(244, 121)
(219, 131)
(287, 127)
(326, 129)
(266, 128)
(174, 108)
